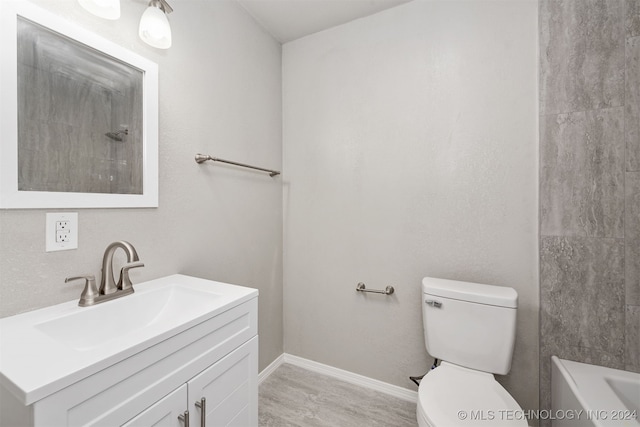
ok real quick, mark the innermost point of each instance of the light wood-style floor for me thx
(292, 396)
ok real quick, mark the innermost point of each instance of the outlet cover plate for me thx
(61, 231)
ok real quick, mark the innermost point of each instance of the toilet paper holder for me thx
(387, 291)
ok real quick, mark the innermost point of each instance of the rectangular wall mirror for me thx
(79, 117)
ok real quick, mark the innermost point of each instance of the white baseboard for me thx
(264, 374)
(350, 377)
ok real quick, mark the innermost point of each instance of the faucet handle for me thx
(90, 291)
(125, 281)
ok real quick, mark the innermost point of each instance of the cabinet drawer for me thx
(117, 394)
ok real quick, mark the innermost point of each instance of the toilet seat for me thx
(450, 393)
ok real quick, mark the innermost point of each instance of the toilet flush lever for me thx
(433, 303)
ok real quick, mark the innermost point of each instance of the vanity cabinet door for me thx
(163, 413)
(230, 388)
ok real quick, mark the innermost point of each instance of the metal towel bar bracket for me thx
(387, 291)
(201, 158)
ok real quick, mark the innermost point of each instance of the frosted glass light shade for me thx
(108, 9)
(154, 28)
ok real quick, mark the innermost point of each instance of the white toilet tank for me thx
(470, 324)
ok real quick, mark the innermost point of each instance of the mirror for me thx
(80, 123)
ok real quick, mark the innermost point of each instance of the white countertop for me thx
(33, 364)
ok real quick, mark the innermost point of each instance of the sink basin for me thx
(45, 350)
(121, 318)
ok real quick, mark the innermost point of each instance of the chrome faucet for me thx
(107, 283)
(109, 289)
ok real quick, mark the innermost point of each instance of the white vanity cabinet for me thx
(214, 357)
(228, 388)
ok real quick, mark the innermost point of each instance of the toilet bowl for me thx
(471, 328)
(452, 395)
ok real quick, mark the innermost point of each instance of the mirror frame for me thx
(10, 196)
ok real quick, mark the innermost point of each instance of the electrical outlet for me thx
(61, 231)
(62, 236)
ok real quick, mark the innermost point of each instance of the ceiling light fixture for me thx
(108, 9)
(154, 25)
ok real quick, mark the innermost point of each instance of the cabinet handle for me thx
(203, 411)
(185, 418)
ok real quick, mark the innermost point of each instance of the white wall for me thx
(410, 150)
(220, 93)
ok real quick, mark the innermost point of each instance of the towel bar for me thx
(201, 158)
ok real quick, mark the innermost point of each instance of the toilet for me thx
(471, 328)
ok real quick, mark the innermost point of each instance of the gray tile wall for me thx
(589, 184)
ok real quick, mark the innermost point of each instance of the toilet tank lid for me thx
(500, 296)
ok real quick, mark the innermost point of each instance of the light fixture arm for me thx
(162, 5)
